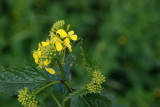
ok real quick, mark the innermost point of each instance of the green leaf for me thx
(89, 64)
(14, 79)
(93, 100)
(79, 92)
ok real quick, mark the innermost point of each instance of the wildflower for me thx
(45, 44)
(95, 84)
(44, 55)
(47, 62)
(67, 44)
(72, 35)
(58, 43)
(62, 33)
(59, 40)
(27, 98)
(36, 55)
(67, 37)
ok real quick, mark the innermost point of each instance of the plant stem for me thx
(47, 85)
(61, 69)
(64, 54)
(67, 104)
(55, 99)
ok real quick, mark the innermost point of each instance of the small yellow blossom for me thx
(62, 33)
(72, 35)
(47, 62)
(45, 44)
(50, 70)
(57, 42)
(67, 44)
(36, 56)
(67, 37)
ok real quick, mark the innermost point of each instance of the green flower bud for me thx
(27, 98)
(95, 84)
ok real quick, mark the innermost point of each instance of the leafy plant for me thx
(54, 60)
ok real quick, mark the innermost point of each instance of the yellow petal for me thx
(70, 48)
(71, 32)
(39, 53)
(73, 37)
(47, 62)
(39, 46)
(50, 70)
(45, 44)
(62, 33)
(36, 60)
(66, 41)
(58, 46)
(35, 55)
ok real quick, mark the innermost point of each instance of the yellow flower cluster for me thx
(27, 99)
(58, 41)
(95, 85)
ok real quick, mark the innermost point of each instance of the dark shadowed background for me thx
(123, 36)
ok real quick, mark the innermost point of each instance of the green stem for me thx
(47, 85)
(67, 104)
(63, 76)
(64, 54)
(61, 69)
(55, 99)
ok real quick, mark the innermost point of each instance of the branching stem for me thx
(47, 85)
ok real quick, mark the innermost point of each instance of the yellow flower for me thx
(45, 44)
(72, 35)
(67, 44)
(57, 42)
(47, 62)
(67, 37)
(36, 55)
(50, 70)
(62, 33)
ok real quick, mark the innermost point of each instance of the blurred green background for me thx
(123, 36)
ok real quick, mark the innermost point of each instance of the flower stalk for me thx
(47, 85)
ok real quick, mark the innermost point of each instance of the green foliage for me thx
(93, 100)
(89, 64)
(128, 63)
(14, 79)
(79, 92)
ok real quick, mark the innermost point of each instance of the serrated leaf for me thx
(89, 64)
(14, 79)
(79, 92)
(93, 100)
